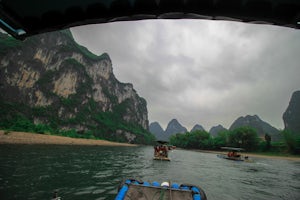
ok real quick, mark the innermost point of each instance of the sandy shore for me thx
(31, 138)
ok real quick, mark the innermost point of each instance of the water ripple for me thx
(34, 172)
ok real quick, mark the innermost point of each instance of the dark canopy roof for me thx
(233, 148)
(23, 18)
(161, 142)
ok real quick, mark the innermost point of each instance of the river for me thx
(94, 173)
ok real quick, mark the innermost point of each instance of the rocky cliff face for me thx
(259, 125)
(72, 86)
(291, 116)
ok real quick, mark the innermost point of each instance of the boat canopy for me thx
(24, 18)
(233, 149)
(161, 142)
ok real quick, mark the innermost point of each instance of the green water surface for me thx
(94, 173)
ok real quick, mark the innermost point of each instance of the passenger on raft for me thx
(161, 151)
(156, 151)
(233, 154)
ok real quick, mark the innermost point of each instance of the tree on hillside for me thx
(292, 141)
(179, 140)
(221, 139)
(244, 137)
(268, 141)
(198, 139)
(193, 140)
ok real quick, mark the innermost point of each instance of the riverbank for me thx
(254, 155)
(13, 137)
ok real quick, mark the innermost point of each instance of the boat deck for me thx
(161, 158)
(139, 192)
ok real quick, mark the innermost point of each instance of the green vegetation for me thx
(78, 112)
(74, 46)
(86, 52)
(67, 32)
(101, 125)
(268, 141)
(7, 42)
(292, 141)
(243, 137)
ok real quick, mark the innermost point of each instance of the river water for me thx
(94, 173)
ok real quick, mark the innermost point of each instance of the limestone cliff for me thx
(173, 128)
(63, 85)
(291, 116)
(259, 125)
(197, 127)
(157, 131)
(215, 130)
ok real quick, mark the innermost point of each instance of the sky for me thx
(202, 72)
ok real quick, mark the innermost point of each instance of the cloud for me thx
(202, 71)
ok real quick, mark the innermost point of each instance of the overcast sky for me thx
(202, 71)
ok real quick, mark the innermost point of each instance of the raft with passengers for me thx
(234, 154)
(161, 151)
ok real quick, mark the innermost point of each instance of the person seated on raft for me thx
(230, 154)
(156, 151)
(235, 154)
(159, 150)
(165, 151)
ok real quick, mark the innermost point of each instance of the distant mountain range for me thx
(254, 121)
(259, 125)
(173, 128)
(197, 127)
(216, 129)
(291, 119)
(157, 131)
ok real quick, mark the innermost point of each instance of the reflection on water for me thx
(94, 173)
